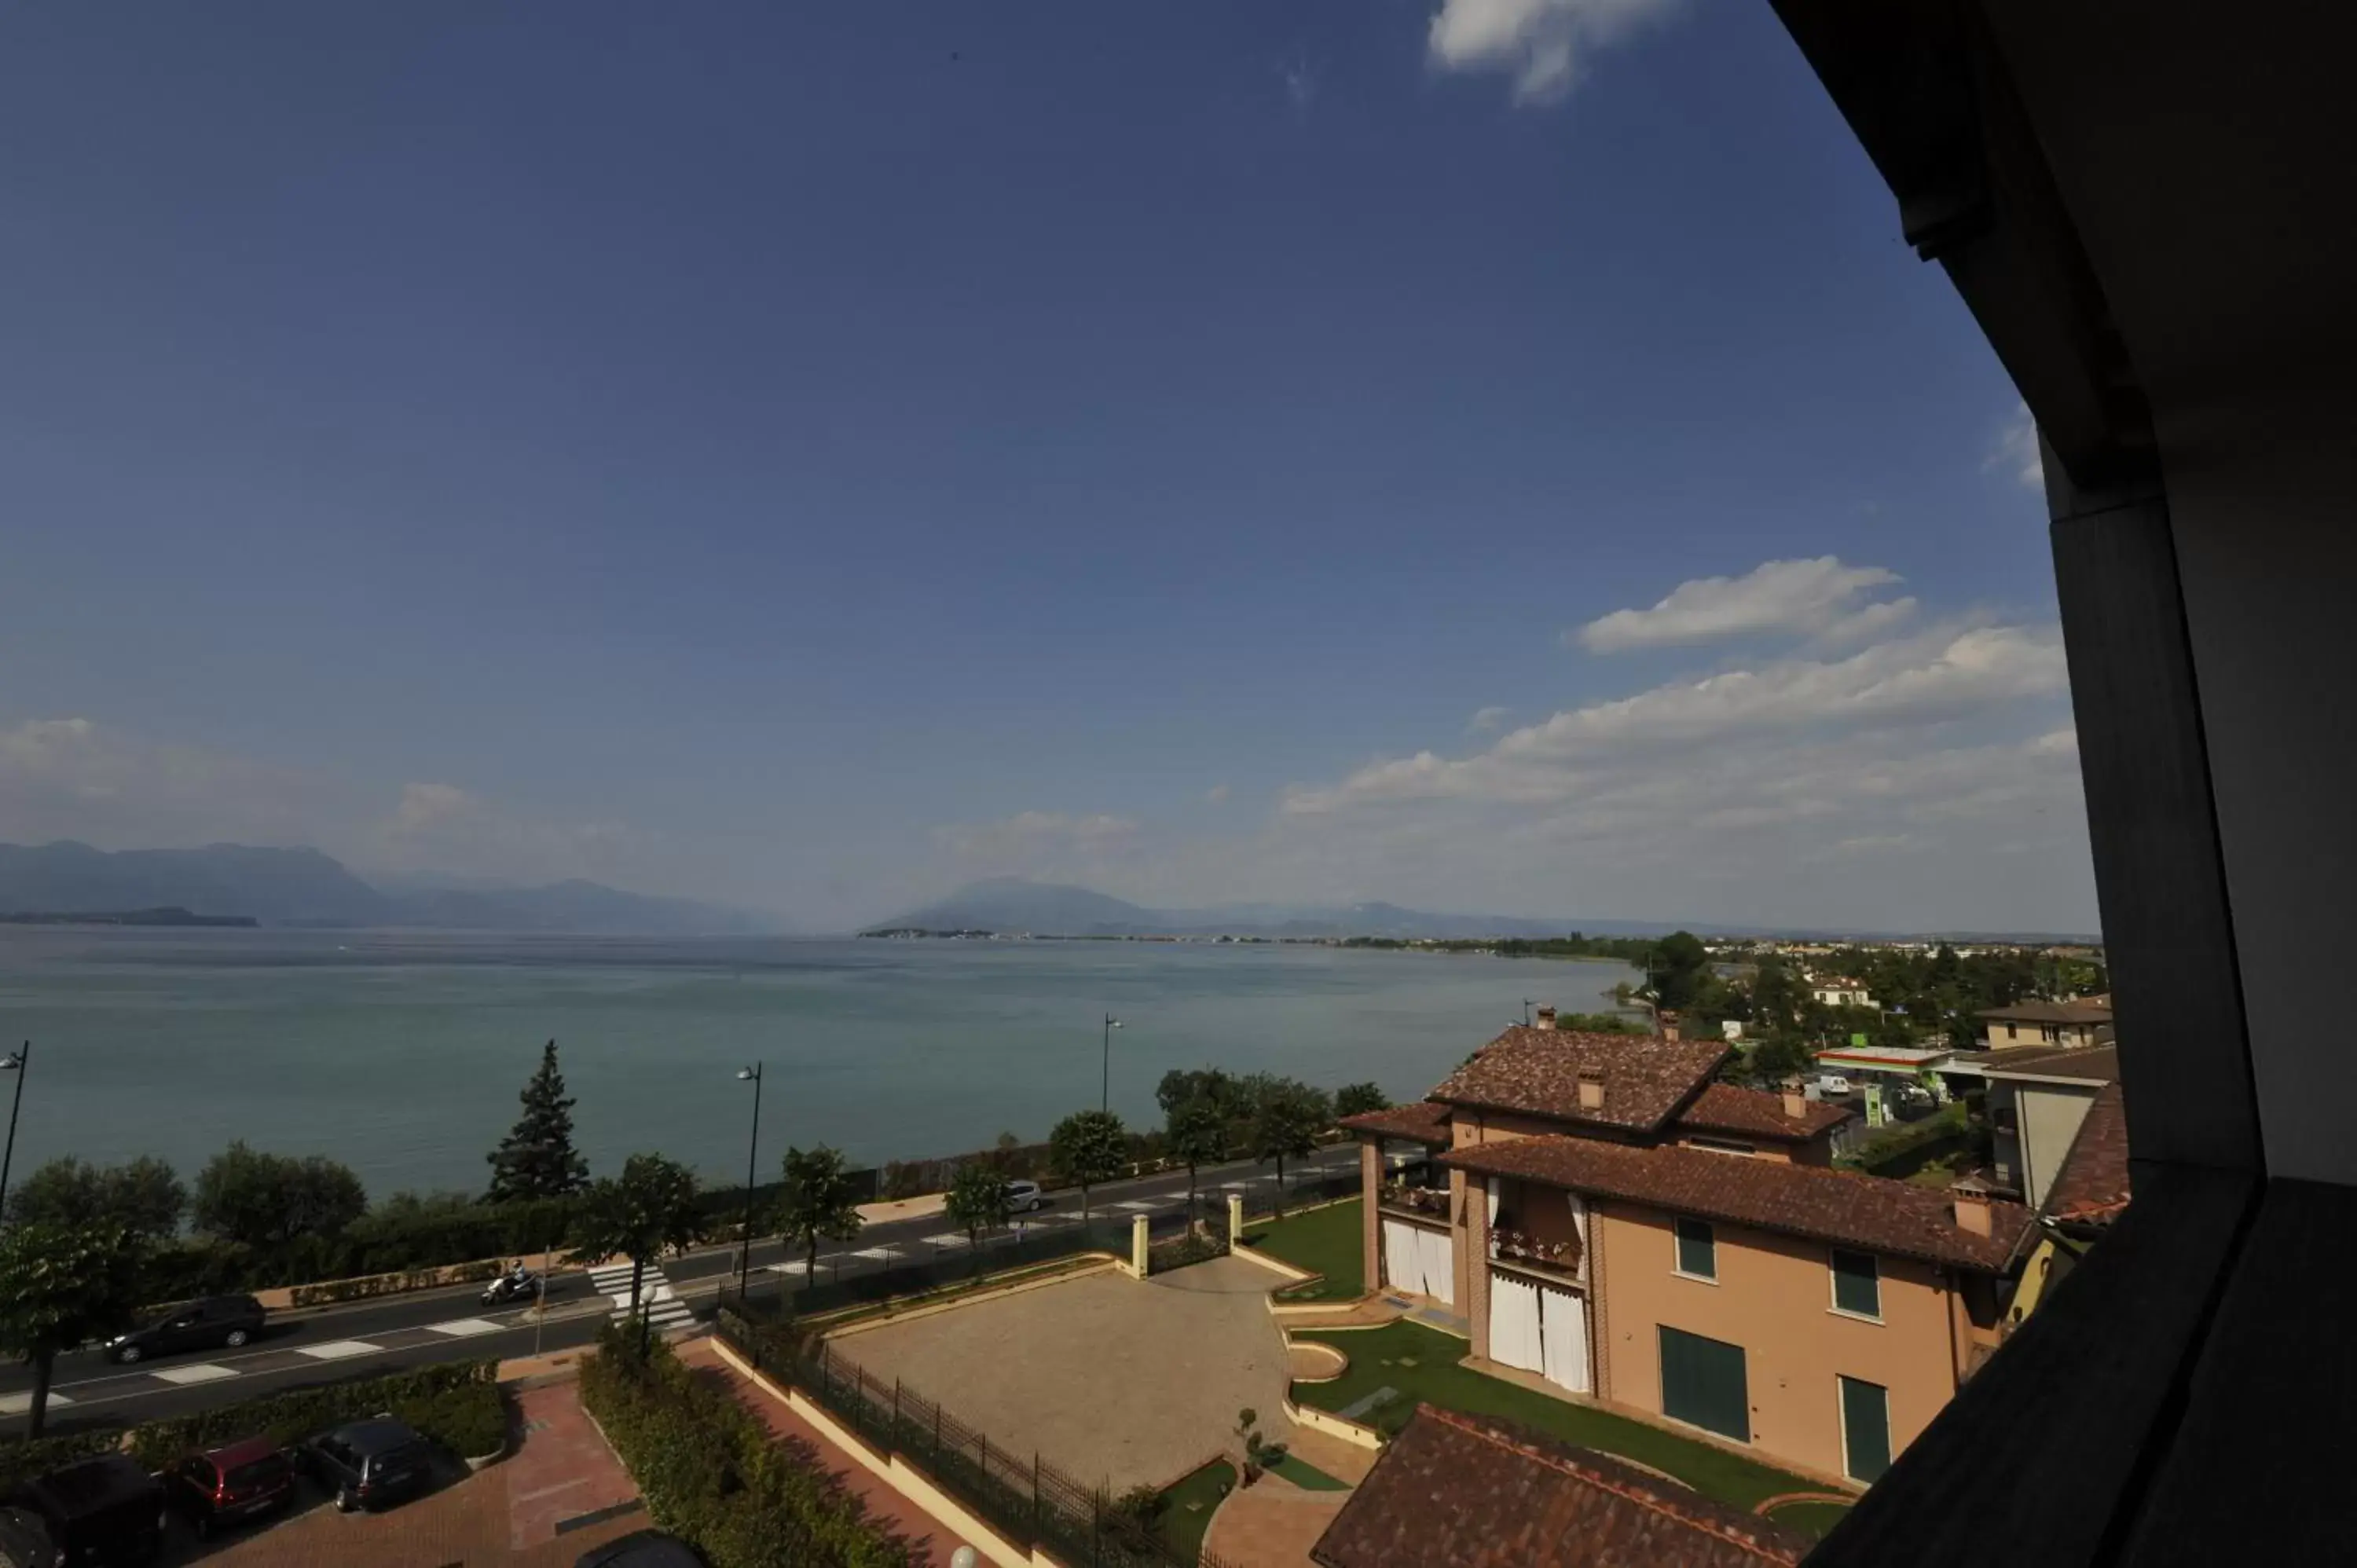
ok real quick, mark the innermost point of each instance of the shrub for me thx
(448, 1403)
(712, 1474)
(21, 1461)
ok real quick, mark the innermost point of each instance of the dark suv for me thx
(102, 1510)
(233, 1482)
(206, 1324)
(367, 1464)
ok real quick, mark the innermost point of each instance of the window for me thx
(1857, 1287)
(1697, 1249)
(1865, 1429)
(1703, 1384)
(1722, 1146)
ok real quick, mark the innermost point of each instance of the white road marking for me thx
(338, 1350)
(791, 1266)
(949, 1238)
(877, 1255)
(460, 1327)
(202, 1372)
(18, 1403)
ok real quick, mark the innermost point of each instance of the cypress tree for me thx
(536, 1159)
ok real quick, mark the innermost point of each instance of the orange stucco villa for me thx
(1605, 1216)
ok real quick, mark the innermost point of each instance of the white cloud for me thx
(425, 806)
(1484, 720)
(1945, 673)
(1807, 598)
(2017, 452)
(1543, 44)
(1216, 795)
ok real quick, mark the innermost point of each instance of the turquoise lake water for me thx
(402, 1053)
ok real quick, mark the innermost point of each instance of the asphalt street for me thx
(423, 1326)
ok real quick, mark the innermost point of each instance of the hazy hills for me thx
(1011, 904)
(305, 887)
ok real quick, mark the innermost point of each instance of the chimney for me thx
(1796, 1102)
(1971, 1202)
(1669, 1025)
(1546, 1018)
(1591, 1089)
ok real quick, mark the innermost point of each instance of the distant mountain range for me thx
(1012, 905)
(304, 887)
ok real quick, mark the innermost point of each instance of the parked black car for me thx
(369, 1464)
(206, 1324)
(24, 1542)
(640, 1549)
(235, 1481)
(104, 1511)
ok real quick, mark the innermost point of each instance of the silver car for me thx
(1023, 1197)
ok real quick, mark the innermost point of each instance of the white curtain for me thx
(1403, 1257)
(1439, 1266)
(1563, 1324)
(1579, 1225)
(1514, 1331)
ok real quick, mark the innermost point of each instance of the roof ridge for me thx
(1652, 1501)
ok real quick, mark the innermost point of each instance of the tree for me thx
(144, 1196)
(819, 1204)
(1088, 1147)
(977, 1201)
(1180, 1087)
(1287, 1121)
(652, 1205)
(1197, 1133)
(536, 1159)
(1358, 1099)
(60, 1287)
(268, 1200)
(1676, 969)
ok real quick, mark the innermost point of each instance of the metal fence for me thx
(1022, 1496)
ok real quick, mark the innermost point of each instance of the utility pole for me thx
(20, 1064)
(1105, 1089)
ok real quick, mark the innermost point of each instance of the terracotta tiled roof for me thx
(1724, 1108)
(2082, 1064)
(2050, 1013)
(1537, 1071)
(1870, 1213)
(1462, 1491)
(2092, 1187)
(1426, 1120)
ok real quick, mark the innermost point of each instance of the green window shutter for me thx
(1697, 1249)
(1857, 1284)
(1865, 1428)
(1703, 1383)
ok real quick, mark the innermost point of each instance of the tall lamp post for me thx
(19, 1063)
(1105, 1089)
(752, 1154)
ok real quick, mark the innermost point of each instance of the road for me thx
(423, 1326)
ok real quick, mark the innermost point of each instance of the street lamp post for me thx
(752, 1154)
(1105, 1089)
(19, 1064)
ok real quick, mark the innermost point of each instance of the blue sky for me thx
(809, 457)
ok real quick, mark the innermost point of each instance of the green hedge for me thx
(21, 1461)
(368, 1285)
(712, 1474)
(457, 1404)
(1894, 1143)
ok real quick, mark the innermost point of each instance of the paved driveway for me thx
(1109, 1379)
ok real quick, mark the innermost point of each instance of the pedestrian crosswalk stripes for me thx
(659, 1302)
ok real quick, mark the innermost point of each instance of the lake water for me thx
(402, 1053)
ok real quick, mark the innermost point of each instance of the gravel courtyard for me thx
(1108, 1377)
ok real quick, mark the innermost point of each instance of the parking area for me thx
(560, 1492)
(1105, 1376)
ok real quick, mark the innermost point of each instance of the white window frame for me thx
(1678, 1250)
(1833, 1288)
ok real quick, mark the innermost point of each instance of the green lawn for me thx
(1186, 1507)
(1810, 1519)
(1308, 1477)
(1421, 1364)
(1323, 1241)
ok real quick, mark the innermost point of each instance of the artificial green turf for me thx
(1323, 1241)
(1187, 1506)
(1437, 1379)
(1308, 1477)
(1810, 1519)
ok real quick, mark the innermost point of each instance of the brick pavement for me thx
(932, 1541)
(1271, 1524)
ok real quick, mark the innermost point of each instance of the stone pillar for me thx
(1469, 1213)
(1235, 1218)
(1371, 1187)
(1137, 1245)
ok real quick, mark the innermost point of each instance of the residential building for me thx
(1454, 1490)
(2086, 1196)
(1839, 991)
(2075, 1024)
(2037, 1100)
(1604, 1215)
